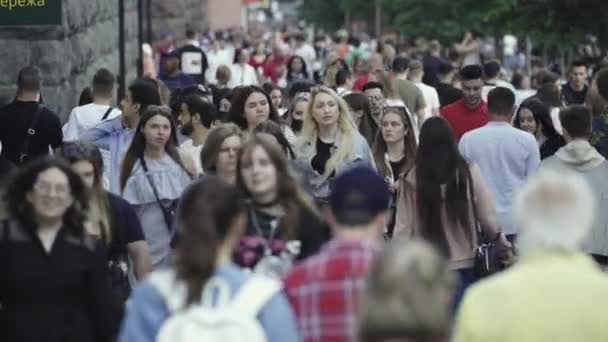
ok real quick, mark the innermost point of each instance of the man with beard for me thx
(470, 111)
(196, 117)
(375, 94)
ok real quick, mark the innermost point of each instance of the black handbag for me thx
(487, 259)
(118, 255)
(168, 207)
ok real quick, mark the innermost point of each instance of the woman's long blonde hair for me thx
(346, 126)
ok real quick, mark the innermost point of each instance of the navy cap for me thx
(358, 196)
(171, 54)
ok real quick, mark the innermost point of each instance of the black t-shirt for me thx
(265, 230)
(56, 296)
(15, 120)
(397, 167)
(572, 97)
(193, 62)
(125, 225)
(323, 154)
(448, 94)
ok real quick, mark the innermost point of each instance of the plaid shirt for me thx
(324, 290)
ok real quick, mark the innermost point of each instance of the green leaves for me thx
(551, 23)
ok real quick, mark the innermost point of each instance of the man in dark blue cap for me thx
(324, 290)
(173, 77)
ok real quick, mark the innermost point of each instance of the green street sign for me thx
(30, 12)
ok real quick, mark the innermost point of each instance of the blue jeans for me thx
(466, 277)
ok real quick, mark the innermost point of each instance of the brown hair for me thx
(223, 74)
(213, 144)
(138, 144)
(207, 211)
(290, 194)
(379, 147)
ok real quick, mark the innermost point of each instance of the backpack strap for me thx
(254, 294)
(173, 292)
(31, 131)
(107, 113)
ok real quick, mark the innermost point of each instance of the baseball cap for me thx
(358, 196)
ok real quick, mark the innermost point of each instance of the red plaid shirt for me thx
(324, 290)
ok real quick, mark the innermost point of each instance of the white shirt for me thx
(431, 98)
(194, 152)
(85, 117)
(307, 52)
(214, 60)
(507, 156)
(242, 75)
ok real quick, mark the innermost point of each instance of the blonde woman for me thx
(329, 143)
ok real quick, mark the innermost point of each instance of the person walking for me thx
(54, 279)
(325, 290)
(27, 128)
(505, 155)
(211, 218)
(152, 178)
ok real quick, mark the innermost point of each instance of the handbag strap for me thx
(478, 231)
(107, 113)
(31, 131)
(155, 191)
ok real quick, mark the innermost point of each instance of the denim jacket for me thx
(147, 311)
(305, 151)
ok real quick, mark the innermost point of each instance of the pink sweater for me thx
(462, 249)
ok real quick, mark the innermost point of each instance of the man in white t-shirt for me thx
(431, 98)
(492, 72)
(84, 117)
(306, 51)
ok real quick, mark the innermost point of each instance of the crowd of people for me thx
(278, 190)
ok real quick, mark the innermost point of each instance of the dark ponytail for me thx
(206, 212)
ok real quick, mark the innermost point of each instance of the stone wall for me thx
(170, 17)
(69, 55)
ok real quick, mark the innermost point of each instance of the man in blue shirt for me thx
(116, 134)
(505, 155)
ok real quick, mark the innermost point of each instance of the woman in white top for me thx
(152, 178)
(243, 74)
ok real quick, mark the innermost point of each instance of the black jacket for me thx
(61, 296)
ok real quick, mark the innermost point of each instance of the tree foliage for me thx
(551, 23)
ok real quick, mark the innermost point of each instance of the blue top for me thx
(506, 157)
(147, 311)
(113, 136)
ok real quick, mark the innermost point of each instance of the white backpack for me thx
(230, 320)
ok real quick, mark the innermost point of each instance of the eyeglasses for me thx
(47, 188)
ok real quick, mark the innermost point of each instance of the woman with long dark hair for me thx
(211, 219)
(296, 70)
(295, 114)
(283, 225)
(443, 197)
(361, 110)
(534, 117)
(114, 221)
(54, 284)
(250, 107)
(394, 151)
(242, 74)
(152, 178)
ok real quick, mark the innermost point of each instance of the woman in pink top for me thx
(439, 198)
